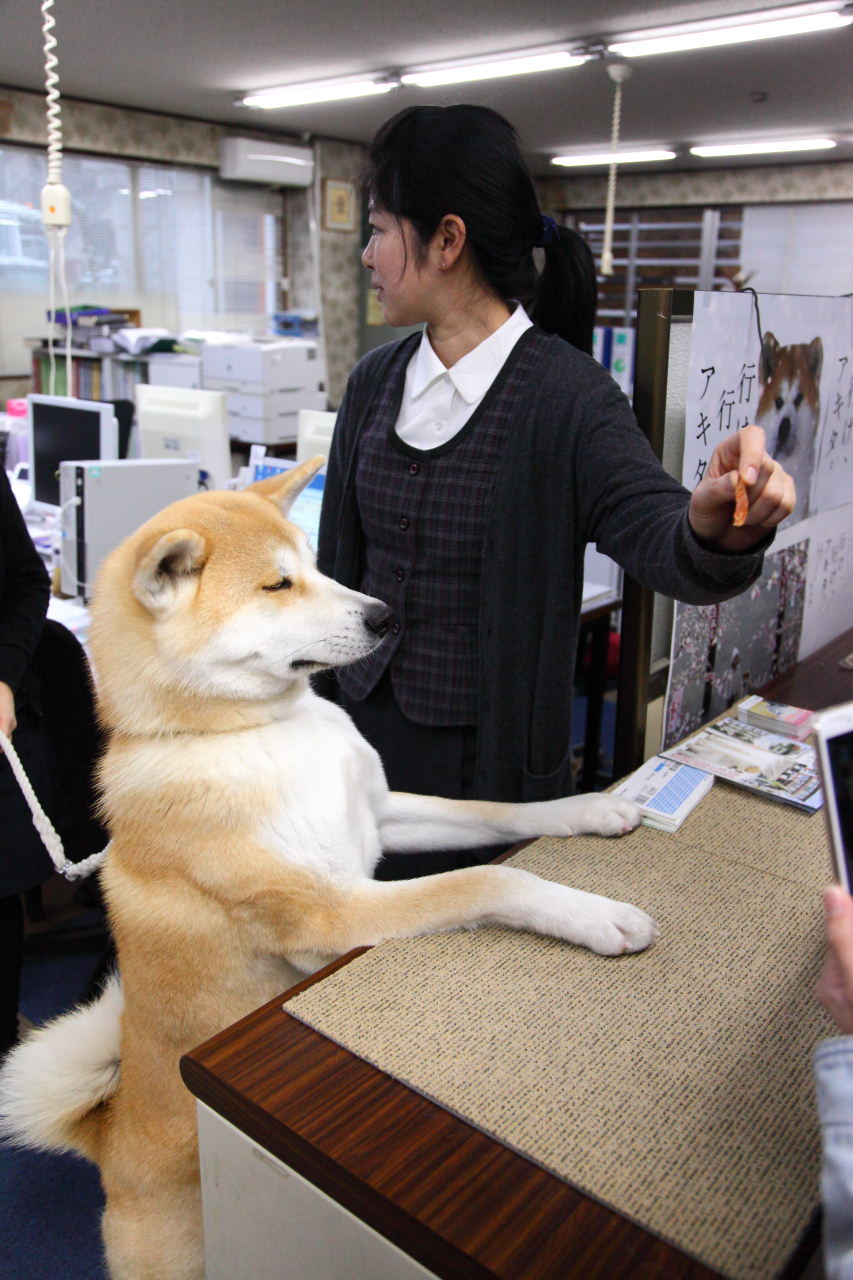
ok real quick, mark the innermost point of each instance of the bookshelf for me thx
(94, 376)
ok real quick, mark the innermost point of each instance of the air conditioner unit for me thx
(281, 165)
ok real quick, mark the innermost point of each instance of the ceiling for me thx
(190, 58)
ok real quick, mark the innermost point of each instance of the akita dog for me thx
(789, 410)
(246, 817)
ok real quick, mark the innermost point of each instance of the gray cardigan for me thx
(576, 469)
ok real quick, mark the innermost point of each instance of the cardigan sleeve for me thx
(25, 590)
(636, 512)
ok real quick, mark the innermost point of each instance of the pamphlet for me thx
(665, 791)
(769, 764)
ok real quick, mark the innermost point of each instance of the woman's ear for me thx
(449, 240)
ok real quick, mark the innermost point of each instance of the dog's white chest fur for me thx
(327, 781)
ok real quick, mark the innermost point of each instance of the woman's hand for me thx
(7, 711)
(770, 493)
(835, 988)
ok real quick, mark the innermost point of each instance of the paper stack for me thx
(778, 717)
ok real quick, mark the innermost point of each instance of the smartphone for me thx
(833, 732)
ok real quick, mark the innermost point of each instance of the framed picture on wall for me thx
(339, 205)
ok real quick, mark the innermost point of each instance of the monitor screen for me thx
(62, 428)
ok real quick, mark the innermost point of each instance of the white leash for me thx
(43, 824)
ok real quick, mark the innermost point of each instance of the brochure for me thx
(769, 764)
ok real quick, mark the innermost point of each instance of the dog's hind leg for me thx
(155, 1234)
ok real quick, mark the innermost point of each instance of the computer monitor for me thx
(61, 427)
(314, 433)
(184, 422)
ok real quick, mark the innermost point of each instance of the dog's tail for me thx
(54, 1084)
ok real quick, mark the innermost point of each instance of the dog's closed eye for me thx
(284, 585)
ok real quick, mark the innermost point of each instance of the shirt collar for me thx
(471, 376)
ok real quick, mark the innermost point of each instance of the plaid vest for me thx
(424, 513)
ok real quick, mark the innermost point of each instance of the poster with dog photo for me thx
(795, 380)
(723, 651)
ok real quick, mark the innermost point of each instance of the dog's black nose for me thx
(784, 435)
(379, 619)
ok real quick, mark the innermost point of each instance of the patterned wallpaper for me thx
(770, 184)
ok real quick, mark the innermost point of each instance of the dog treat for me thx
(741, 504)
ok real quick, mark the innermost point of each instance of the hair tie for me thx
(550, 230)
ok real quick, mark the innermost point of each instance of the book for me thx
(769, 764)
(665, 791)
(778, 717)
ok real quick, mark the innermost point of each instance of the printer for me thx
(266, 382)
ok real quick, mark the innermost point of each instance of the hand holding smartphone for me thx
(833, 733)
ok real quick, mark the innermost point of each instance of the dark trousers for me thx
(429, 760)
(11, 957)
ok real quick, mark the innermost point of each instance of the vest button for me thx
(395, 630)
(404, 522)
(414, 468)
(400, 575)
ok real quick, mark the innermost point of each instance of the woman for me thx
(471, 465)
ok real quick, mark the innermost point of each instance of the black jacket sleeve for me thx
(24, 590)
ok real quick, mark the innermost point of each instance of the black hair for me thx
(427, 162)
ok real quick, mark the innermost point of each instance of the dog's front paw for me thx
(619, 928)
(595, 815)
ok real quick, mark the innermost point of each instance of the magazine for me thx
(768, 763)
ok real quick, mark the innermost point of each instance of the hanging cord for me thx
(55, 198)
(43, 825)
(619, 72)
(757, 317)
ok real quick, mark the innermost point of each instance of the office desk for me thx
(449, 1197)
(305, 1136)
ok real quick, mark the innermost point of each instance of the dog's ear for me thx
(814, 357)
(171, 564)
(285, 488)
(770, 351)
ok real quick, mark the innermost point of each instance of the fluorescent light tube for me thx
(296, 95)
(607, 157)
(511, 64)
(763, 148)
(797, 20)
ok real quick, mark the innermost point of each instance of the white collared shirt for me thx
(437, 402)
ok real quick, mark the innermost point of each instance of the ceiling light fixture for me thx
(492, 68)
(607, 157)
(764, 148)
(297, 95)
(794, 20)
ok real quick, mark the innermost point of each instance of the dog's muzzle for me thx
(784, 443)
(379, 619)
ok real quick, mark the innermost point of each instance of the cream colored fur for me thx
(246, 816)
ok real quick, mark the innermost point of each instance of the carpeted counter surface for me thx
(675, 1086)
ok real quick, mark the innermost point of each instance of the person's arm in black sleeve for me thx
(638, 514)
(25, 591)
